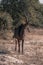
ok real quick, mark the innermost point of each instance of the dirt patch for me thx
(33, 51)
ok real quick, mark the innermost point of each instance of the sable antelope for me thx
(19, 34)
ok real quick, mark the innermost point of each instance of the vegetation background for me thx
(32, 9)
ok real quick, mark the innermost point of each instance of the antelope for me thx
(19, 34)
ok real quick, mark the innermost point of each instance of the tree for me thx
(15, 8)
(29, 8)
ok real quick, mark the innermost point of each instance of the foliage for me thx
(20, 8)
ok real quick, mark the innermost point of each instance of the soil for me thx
(33, 49)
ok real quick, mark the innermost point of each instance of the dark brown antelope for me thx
(19, 35)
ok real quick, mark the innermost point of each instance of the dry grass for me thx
(33, 50)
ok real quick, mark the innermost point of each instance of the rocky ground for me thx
(33, 50)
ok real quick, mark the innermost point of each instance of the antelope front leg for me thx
(22, 45)
(19, 46)
(15, 44)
